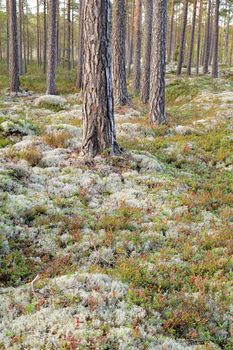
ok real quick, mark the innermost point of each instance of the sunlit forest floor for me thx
(133, 252)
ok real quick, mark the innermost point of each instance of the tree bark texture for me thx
(216, 40)
(13, 48)
(145, 90)
(158, 64)
(121, 96)
(207, 41)
(189, 66)
(137, 46)
(98, 116)
(199, 36)
(52, 49)
(80, 47)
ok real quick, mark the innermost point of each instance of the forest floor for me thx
(132, 252)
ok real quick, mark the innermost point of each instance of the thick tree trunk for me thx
(199, 36)
(119, 54)
(158, 64)
(13, 48)
(182, 38)
(98, 116)
(80, 47)
(169, 55)
(216, 37)
(137, 46)
(207, 40)
(45, 37)
(52, 50)
(145, 90)
(189, 66)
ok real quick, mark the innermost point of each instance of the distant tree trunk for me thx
(137, 46)
(20, 29)
(199, 36)
(52, 51)
(226, 35)
(80, 47)
(189, 66)
(64, 34)
(58, 32)
(68, 33)
(45, 37)
(130, 59)
(25, 39)
(7, 32)
(1, 49)
(38, 44)
(119, 54)
(182, 38)
(145, 90)
(216, 37)
(98, 117)
(171, 33)
(158, 65)
(13, 48)
(72, 34)
(207, 40)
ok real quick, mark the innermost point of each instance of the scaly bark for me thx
(216, 39)
(199, 36)
(13, 48)
(119, 53)
(52, 49)
(207, 41)
(98, 117)
(158, 65)
(80, 47)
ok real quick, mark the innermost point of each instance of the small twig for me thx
(32, 285)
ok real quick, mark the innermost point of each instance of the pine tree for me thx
(52, 48)
(98, 115)
(13, 48)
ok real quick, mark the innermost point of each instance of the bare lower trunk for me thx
(80, 47)
(189, 66)
(207, 41)
(137, 46)
(199, 36)
(216, 37)
(45, 37)
(158, 65)
(119, 54)
(182, 38)
(68, 23)
(130, 59)
(169, 55)
(52, 49)
(145, 90)
(13, 48)
(98, 116)
(20, 36)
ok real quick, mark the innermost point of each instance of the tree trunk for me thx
(199, 36)
(131, 44)
(145, 90)
(182, 38)
(137, 46)
(20, 37)
(98, 116)
(215, 43)
(38, 44)
(119, 54)
(158, 64)
(7, 32)
(58, 32)
(52, 50)
(171, 33)
(207, 41)
(13, 48)
(45, 37)
(189, 66)
(80, 47)
(25, 39)
(68, 22)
